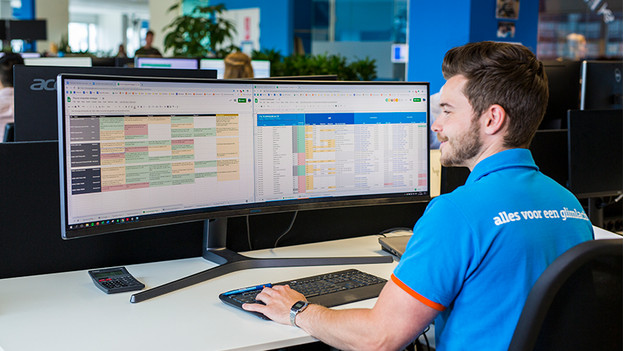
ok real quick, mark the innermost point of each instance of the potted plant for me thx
(200, 33)
(298, 65)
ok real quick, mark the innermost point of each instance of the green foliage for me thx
(365, 69)
(267, 54)
(63, 45)
(200, 33)
(300, 65)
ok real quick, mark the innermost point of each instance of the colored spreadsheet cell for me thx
(135, 152)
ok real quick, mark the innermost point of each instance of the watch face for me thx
(298, 305)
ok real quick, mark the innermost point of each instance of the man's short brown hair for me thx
(505, 74)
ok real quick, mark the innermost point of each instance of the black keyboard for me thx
(330, 289)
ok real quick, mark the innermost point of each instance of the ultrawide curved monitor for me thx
(137, 152)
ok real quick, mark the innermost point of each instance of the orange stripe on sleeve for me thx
(417, 296)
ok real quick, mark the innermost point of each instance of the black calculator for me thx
(115, 280)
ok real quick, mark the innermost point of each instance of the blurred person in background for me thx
(6, 88)
(238, 65)
(148, 49)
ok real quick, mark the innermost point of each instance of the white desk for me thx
(65, 311)
(600, 233)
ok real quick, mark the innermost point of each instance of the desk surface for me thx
(65, 311)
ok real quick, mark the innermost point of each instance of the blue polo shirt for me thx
(476, 252)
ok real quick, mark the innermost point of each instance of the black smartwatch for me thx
(297, 308)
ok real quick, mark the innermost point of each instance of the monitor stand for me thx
(215, 232)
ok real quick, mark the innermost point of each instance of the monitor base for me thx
(230, 261)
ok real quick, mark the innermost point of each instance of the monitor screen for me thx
(165, 62)
(30, 54)
(58, 61)
(547, 147)
(36, 122)
(601, 85)
(261, 68)
(28, 29)
(564, 90)
(595, 152)
(26, 54)
(138, 152)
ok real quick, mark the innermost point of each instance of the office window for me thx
(356, 20)
(83, 37)
(580, 29)
(357, 29)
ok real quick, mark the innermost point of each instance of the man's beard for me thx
(462, 148)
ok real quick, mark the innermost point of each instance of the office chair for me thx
(576, 304)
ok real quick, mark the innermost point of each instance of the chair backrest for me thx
(576, 304)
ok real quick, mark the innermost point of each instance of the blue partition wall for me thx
(434, 27)
(437, 26)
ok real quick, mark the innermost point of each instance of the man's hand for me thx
(277, 303)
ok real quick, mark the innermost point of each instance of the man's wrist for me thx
(297, 308)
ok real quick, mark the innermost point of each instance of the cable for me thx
(424, 334)
(292, 222)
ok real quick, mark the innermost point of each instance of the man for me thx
(477, 251)
(148, 50)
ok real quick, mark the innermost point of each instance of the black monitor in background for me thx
(452, 177)
(104, 61)
(36, 112)
(564, 92)
(124, 62)
(152, 151)
(601, 86)
(27, 29)
(3, 29)
(595, 157)
(549, 148)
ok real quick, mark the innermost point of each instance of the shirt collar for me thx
(505, 159)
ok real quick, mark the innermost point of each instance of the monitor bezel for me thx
(230, 210)
(593, 74)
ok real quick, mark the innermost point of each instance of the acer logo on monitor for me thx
(39, 84)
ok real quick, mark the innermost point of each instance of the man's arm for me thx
(396, 319)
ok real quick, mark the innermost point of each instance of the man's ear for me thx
(495, 119)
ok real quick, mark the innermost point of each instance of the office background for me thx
(351, 28)
(355, 29)
(30, 238)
